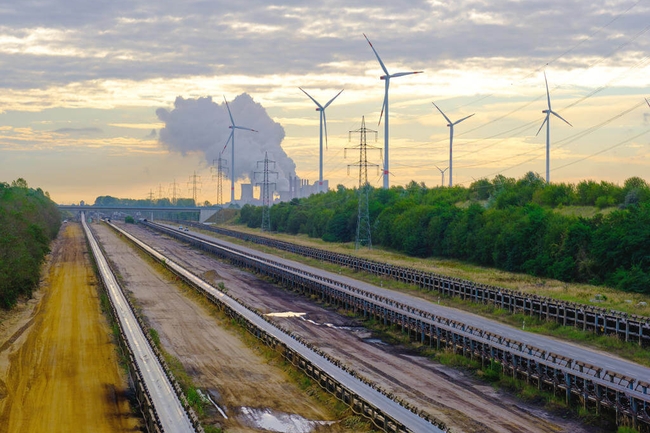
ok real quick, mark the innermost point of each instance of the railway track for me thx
(167, 413)
(592, 377)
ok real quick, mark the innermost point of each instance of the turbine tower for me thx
(384, 107)
(323, 121)
(547, 120)
(232, 155)
(450, 124)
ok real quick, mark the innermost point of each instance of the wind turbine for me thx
(442, 172)
(547, 120)
(450, 124)
(232, 158)
(384, 107)
(323, 121)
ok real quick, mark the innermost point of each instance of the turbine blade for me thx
(382, 111)
(548, 95)
(443, 114)
(315, 102)
(229, 113)
(332, 100)
(401, 74)
(245, 129)
(464, 118)
(540, 128)
(232, 131)
(562, 118)
(378, 58)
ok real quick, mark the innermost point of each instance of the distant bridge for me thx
(198, 213)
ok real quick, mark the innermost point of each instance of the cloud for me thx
(201, 125)
(79, 131)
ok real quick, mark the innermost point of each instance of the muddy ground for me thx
(462, 402)
(237, 377)
(59, 369)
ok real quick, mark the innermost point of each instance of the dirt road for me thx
(459, 400)
(58, 366)
(237, 377)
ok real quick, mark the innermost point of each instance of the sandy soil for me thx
(218, 362)
(58, 364)
(460, 401)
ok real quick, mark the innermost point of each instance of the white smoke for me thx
(201, 125)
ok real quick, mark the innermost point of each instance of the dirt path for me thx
(58, 364)
(462, 402)
(218, 361)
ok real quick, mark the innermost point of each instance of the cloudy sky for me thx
(125, 97)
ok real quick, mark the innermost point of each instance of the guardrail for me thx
(332, 375)
(628, 327)
(153, 421)
(628, 397)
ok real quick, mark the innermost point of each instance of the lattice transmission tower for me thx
(194, 186)
(266, 190)
(363, 215)
(220, 166)
(174, 191)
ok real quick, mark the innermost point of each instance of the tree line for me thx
(512, 224)
(29, 221)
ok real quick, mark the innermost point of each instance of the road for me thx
(58, 364)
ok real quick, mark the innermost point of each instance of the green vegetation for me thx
(29, 221)
(515, 225)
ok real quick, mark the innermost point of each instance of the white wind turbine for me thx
(232, 158)
(384, 107)
(547, 120)
(442, 172)
(450, 124)
(323, 121)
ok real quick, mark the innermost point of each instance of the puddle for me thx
(285, 314)
(375, 341)
(273, 421)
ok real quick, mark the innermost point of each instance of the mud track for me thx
(59, 370)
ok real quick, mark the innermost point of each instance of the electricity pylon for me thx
(219, 165)
(194, 185)
(266, 191)
(363, 214)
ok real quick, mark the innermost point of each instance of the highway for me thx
(171, 414)
(410, 421)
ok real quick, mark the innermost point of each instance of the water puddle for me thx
(286, 314)
(280, 422)
(375, 341)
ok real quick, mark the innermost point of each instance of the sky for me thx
(126, 97)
